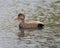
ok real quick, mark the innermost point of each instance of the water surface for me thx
(46, 11)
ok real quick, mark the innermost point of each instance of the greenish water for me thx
(46, 11)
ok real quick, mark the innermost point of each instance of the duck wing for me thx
(32, 24)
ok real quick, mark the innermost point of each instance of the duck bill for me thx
(17, 19)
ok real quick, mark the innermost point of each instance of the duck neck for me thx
(22, 21)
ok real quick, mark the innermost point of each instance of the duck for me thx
(31, 24)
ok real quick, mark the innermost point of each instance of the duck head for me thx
(21, 16)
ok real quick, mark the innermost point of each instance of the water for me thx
(46, 11)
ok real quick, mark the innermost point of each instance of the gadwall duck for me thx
(31, 24)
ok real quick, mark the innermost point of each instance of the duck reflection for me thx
(22, 34)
